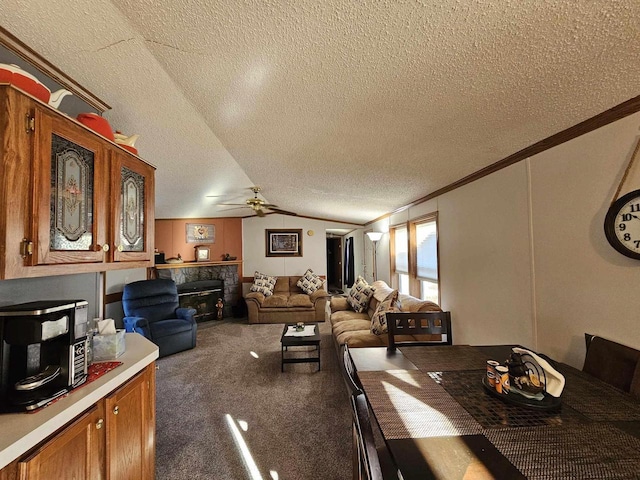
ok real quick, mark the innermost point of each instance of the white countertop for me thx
(19, 432)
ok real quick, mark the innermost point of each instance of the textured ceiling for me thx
(338, 109)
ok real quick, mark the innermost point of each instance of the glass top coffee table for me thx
(290, 338)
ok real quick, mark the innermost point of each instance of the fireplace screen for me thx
(202, 296)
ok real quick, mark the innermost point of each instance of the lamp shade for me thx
(375, 236)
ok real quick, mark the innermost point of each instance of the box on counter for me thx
(108, 347)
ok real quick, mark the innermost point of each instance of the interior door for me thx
(334, 263)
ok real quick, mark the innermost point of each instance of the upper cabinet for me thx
(71, 201)
(132, 187)
(70, 193)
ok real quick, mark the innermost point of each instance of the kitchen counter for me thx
(23, 431)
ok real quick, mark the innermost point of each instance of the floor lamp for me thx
(375, 237)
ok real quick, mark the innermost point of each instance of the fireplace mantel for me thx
(163, 266)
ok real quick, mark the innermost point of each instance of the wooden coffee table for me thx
(290, 341)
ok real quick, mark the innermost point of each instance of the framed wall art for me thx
(283, 242)
(203, 254)
(201, 233)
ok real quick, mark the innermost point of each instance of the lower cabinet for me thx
(130, 429)
(114, 439)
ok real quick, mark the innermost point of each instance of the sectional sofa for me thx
(354, 329)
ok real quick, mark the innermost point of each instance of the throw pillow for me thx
(360, 294)
(379, 318)
(310, 282)
(263, 283)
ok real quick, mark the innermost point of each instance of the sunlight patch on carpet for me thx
(249, 462)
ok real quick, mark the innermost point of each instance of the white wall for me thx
(582, 283)
(523, 256)
(485, 265)
(64, 287)
(314, 247)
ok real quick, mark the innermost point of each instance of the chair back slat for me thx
(368, 463)
(417, 324)
(349, 372)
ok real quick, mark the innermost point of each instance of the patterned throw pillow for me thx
(310, 282)
(379, 318)
(263, 283)
(360, 294)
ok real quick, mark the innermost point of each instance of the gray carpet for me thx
(298, 421)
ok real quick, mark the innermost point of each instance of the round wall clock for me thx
(622, 224)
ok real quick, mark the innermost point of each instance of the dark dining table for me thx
(439, 421)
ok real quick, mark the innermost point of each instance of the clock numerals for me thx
(622, 224)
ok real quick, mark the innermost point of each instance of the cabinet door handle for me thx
(99, 424)
(116, 410)
(120, 248)
(104, 248)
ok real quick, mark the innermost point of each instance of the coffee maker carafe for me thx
(43, 351)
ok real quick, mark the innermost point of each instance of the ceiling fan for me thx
(258, 205)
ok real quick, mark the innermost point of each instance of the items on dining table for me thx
(525, 373)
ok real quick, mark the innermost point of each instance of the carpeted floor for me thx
(297, 422)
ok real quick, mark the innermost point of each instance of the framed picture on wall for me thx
(283, 242)
(203, 254)
(201, 233)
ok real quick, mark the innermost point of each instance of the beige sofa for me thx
(354, 329)
(288, 304)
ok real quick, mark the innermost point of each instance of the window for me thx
(400, 259)
(426, 245)
(414, 258)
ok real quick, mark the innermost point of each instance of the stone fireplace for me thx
(188, 273)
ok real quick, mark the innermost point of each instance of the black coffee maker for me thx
(43, 351)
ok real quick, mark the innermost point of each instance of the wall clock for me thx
(622, 224)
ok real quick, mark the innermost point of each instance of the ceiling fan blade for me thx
(229, 209)
(232, 204)
(283, 212)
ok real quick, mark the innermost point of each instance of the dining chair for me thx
(369, 462)
(411, 328)
(349, 372)
(613, 363)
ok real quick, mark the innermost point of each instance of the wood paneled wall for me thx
(170, 238)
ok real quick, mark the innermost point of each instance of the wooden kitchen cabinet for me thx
(130, 422)
(132, 187)
(76, 452)
(70, 196)
(113, 440)
(70, 201)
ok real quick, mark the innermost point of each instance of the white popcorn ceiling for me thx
(338, 109)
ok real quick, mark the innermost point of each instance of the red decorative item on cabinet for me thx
(14, 75)
(98, 124)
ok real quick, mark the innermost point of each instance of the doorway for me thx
(334, 265)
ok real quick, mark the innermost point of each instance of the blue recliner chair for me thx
(151, 309)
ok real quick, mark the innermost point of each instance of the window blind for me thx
(401, 246)
(427, 251)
